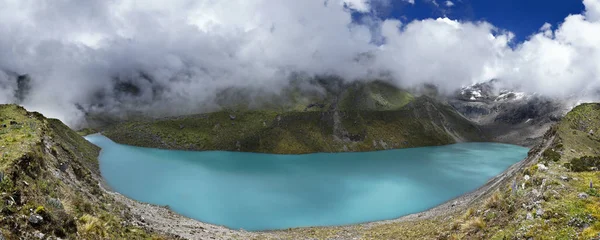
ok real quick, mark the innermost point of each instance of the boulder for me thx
(35, 219)
(542, 167)
(63, 167)
(582, 195)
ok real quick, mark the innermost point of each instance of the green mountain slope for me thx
(51, 188)
(422, 122)
(49, 183)
(326, 116)
(553, 194)
(377, 95)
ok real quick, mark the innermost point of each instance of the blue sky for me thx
(522, 17)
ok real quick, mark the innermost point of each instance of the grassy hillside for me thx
(546, 198)
(374, 96)
(422, 122)
(49, 180)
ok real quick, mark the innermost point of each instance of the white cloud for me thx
(182, 52)
(410, 1)
(592, 10)
(441, 51)
(358, 5)
(449, 4)
(546, 29)
(564, 63)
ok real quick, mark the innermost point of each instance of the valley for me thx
(540, 192)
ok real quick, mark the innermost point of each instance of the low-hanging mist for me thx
(64, 58)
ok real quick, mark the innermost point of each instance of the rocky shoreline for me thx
(163, 220)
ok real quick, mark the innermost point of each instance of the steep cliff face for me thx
(50, 183)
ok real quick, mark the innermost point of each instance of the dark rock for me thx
(13, 123)
(35, 219)
(4, 126)
(181, 126)
(1, 176)
(63, 167)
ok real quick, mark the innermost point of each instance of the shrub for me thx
(493, 201)
(93, 226)
(551, 155)
(584, 164)
(474, 225)
(40, 210)
(469, 213)
(593, 192)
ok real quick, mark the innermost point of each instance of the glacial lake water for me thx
(268, 191)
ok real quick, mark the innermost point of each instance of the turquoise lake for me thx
(268, 191)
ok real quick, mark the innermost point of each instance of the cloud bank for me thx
(62, 56)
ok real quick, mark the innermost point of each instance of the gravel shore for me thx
(163, 220)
